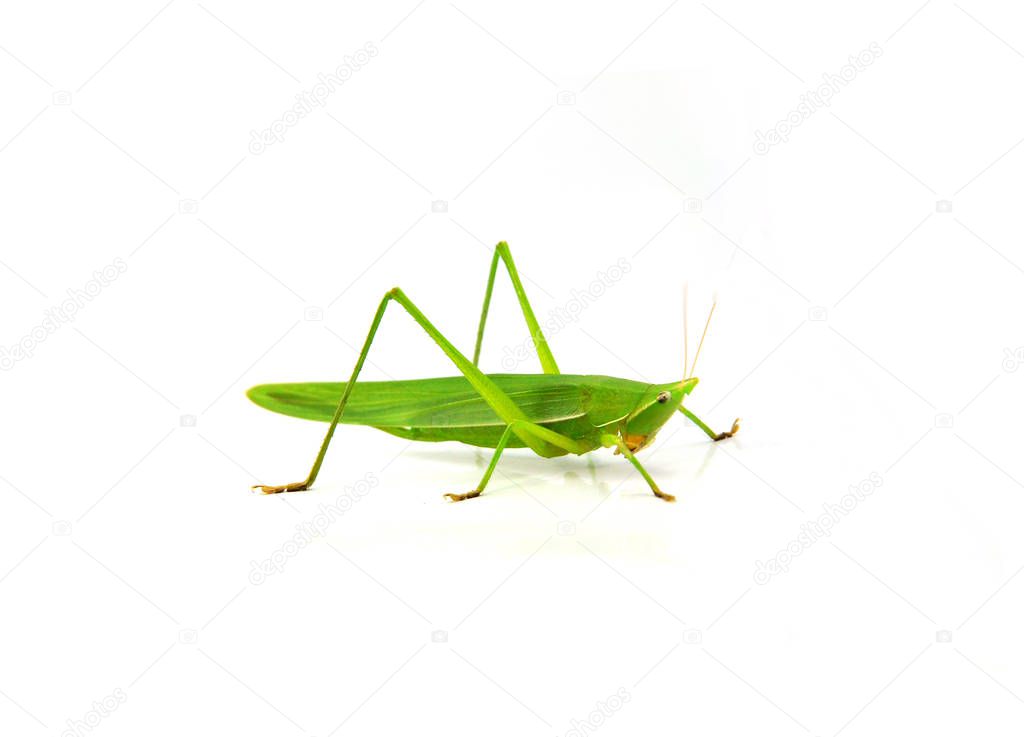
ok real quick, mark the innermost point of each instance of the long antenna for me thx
(686, 328)
(703, 335)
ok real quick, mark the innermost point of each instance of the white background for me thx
(128, 537)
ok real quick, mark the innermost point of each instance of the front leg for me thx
(711, 433)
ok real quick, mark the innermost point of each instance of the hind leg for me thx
(520, 427)
(498, 400)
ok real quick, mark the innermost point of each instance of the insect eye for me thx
(663, 397)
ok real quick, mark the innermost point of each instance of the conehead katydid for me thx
(552, 414)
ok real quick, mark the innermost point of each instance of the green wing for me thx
(449, 402)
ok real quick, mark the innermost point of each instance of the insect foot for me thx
(662, 495)
(735, 429)
(463, 497)
(298, 486)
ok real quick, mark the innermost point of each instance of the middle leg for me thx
(615, 440)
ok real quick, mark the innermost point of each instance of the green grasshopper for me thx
(552, 414)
